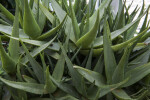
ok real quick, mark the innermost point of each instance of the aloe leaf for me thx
(109, 88)
(14, 44)
(100, 10)
(118, 74)
(121, 94)
(139, 60)
(35, 65)
(74, 21)
(36, 51)
(89, 61)
(52, 31)
(61, 14)
(117, 47)
(109, 58)
(8, 64)
(130, 33)
(66, 88)
(8, 30)
(144, 37)
(59, 68)
(9, 15)
(86, 40)
(30, 25)
(28, 87)
(99, 41)
(135, 74)
(74, 74)
(145, 21)
(86, 26)
(91, 76)
(49, 85)
(99, 65)
(42, 17)
(29, 79)
(46, 12)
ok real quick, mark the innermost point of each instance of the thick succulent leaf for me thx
(35, 65)
(118, 74)
(137, 74)
(42, 17)
(36, 51)
(144, 26)
(99, 41)
(49, 85)
(66, 88)
(139, 60)
(8, 64)
(29, 79)
(108, 88)
(8, 30)
(86, 40)
(9, 15)
(100, 10)
(30, 26)
(61, 14)
(74, 21)
(99, 65)
(55, 46)
(59, 68)
(74, 74)
(109, 58)
(14, 44)
(89, 60)
(28, 87)
(130, 33)
(121, 94)
(52, 31)
(46, 12)
(91, 76)
(117, 47)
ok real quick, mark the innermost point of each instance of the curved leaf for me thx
(30, 26)
(28, 87)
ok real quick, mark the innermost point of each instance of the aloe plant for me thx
(72, 51)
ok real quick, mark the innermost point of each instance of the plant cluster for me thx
(72, 51)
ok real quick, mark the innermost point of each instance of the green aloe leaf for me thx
(121, 94)
(74, 74)
(59, 68)
(29, 79)
(99, 41)
(66, 88)
(46, 12)
(86, 40)
(91, 76)
(38, 50)
(8, 64)
(61, 14)
(137, 74)
(35, 65)
(8, 30)
(28, 87)
(30, 26)
(49, 85)
(14, 44)
(119, 72)
(74, 21)
(9, 15)
(52, 31)
(117, 47)
(100, 10)
(109, 58)
(109, 88)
